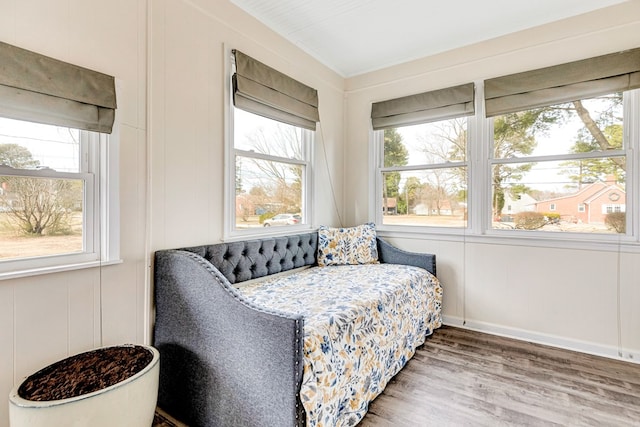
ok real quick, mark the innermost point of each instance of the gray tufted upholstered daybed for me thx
(226, 361)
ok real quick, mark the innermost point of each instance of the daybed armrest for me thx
(224, 361)
(389, 254)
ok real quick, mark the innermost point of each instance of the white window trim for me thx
(105, 212)
(230, 233)
(480, 132)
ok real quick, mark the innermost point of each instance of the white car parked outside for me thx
(283, 219)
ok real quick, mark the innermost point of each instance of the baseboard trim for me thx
(611, 352)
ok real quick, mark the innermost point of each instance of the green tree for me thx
(515, 134)
(395, 154)
(595, 127)
(602, 133)
(412, 194)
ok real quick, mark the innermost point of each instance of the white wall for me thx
(45, 318)
(581, 299)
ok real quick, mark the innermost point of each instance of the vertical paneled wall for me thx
(47, 317)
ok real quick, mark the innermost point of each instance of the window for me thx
(50, 205)
(273, 119)
(607, 209)
(271, 173)
(556, 153)
(421, 147)
(424, 174)
(565, 157)
(59, 198)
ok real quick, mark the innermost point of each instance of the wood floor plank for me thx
(519, 350)
(461, 377)
(559, 384)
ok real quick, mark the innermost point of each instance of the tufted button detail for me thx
(226, 255)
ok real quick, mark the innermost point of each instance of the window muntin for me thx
(48, 203)
(423, 173)
(560, 157)
(271, 171)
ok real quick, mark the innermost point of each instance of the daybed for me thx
(309, 347)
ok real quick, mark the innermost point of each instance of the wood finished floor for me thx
(466, 378)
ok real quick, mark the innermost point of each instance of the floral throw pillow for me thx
(342, 246)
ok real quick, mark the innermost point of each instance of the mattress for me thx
(362, 323)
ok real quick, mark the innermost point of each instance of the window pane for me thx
(560, 196)
(587, 126)
(435, 197)
(429, 143)
(40, 216)
(266, 136)
(26, 145)
(265, 189)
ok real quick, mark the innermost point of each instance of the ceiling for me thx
(357, 36)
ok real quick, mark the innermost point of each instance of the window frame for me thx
(99, 167)
(479, 158)
(380, 170)
(230, 232)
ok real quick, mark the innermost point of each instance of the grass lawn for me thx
(13, 244)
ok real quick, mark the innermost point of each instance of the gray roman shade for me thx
(37, 88)
(563, 83)
(261, 90)
(424, 107)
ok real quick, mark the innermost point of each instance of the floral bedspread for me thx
(362, 324)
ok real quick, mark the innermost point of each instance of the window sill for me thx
(56, 269)
(610, 245)
(265, 232)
